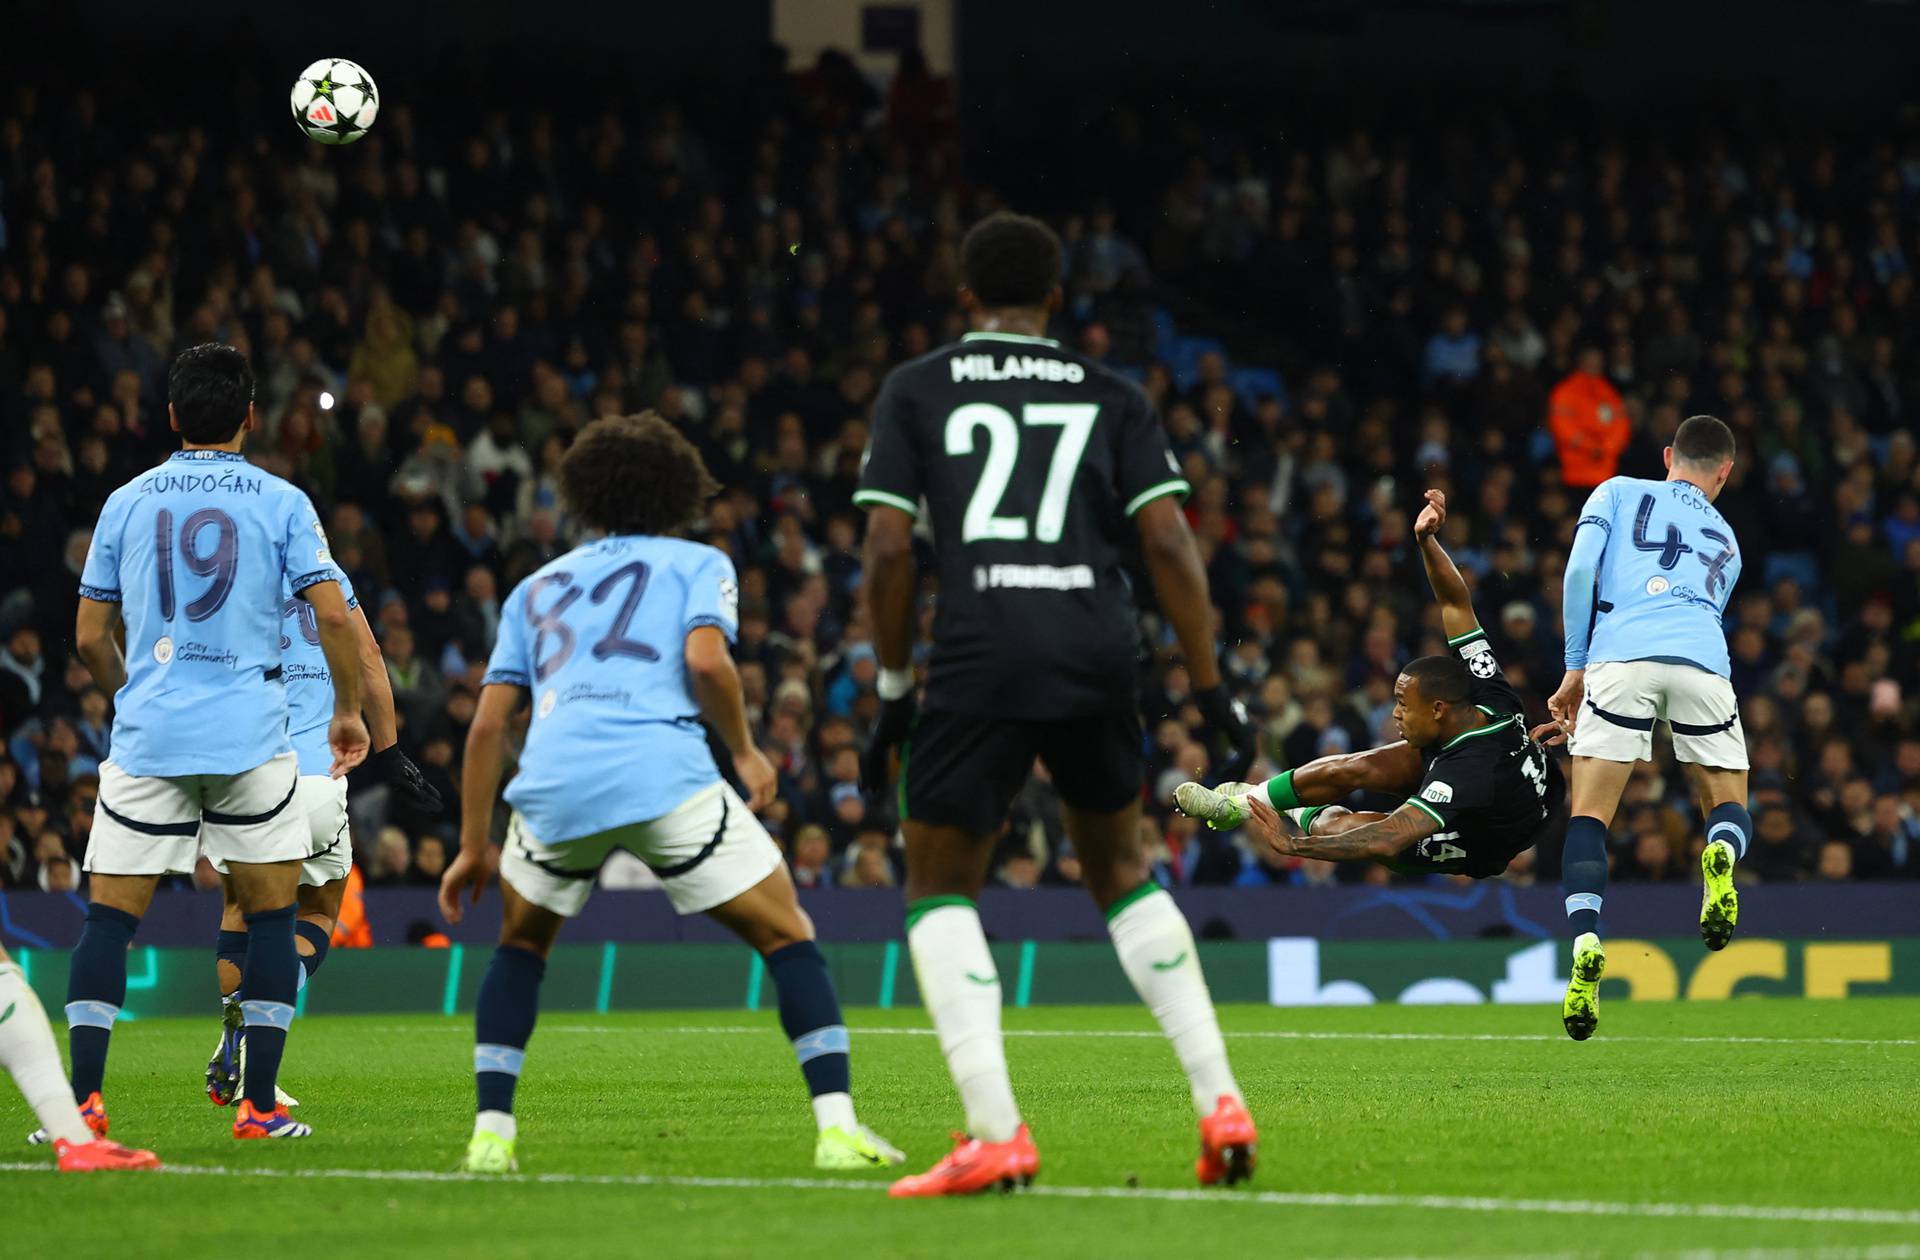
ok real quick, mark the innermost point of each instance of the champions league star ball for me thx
(334, 101)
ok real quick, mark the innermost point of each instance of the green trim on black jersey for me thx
(1478, 632)
(1488, 729)
(864, 498)
(1414, 800)
(1007, 336)
(1177, 485)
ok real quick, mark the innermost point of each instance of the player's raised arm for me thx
(340, 643)
(1449, 588)
(1180, 582)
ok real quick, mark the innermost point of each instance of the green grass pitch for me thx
(1770, 1127)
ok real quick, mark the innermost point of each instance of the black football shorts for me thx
(963, 769)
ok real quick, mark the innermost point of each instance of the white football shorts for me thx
(707, 850)
(1625, 698)
(322, 801)
(159, 826)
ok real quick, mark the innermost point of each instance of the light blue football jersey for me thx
(309, 681)
(1652, 567)
(599, 636)
(200, 553)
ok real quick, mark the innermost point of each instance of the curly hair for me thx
(1010, 260)
(635, 475)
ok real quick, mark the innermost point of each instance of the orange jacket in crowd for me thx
(351, 930)
(1588, 421)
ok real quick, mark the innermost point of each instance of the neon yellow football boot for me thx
(1719, 903)
(859, 1147)
(1223, 808)
(489, 1153)
(1581, 1010)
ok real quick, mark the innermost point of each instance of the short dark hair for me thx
(1703, 440)
(1441, 678)
(635, 475)
(1010, 260)
(210, 387)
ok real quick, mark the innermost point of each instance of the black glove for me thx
(890, 730)
(404, 777)
(1226, 719)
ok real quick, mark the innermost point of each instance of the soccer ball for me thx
(334, 101)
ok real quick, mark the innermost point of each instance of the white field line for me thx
(1256, 1198)
(1253, 1035)
(1885, 1251)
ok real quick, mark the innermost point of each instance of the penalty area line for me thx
(1255, 1198)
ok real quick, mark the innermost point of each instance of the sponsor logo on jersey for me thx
(1437, 792)
(1033, 577)
(1657, 585)
(163, 649)
(1015, 367)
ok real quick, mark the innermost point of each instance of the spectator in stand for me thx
(1589, 423)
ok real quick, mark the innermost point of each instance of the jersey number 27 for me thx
(983, 520)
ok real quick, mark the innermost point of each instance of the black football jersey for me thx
(1491, 789)
(1029, 462)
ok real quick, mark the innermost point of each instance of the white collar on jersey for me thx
(1007, 336)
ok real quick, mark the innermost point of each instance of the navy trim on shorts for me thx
(251, 820)
(151, 829)
(1631, 723)
(681, 868)
(554, 869)
(1688, 728)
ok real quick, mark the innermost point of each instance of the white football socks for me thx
(1156, 951)
(961, 990)
(498, 1123)
(834, 1111)
(28, 1053)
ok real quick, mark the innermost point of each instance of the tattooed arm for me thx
(1383, 839)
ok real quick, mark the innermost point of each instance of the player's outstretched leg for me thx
(1583, 876)
(960, 988)
(270, 982)
(1723, 798)
(1727, 830)
(768, 918)
(810, 1016)
(28, 1054)
(230, 956)
(96, 989)
(1392, 768)
(503, 1019)
(1156, 950)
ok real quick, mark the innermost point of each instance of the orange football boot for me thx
(1228, 1143)
(973, 1166)
(100, 1155)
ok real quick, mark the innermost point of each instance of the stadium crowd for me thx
(432, 316)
